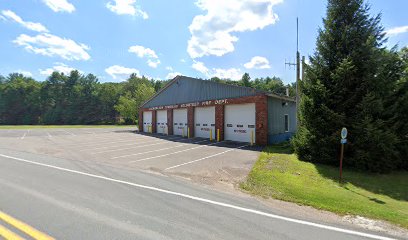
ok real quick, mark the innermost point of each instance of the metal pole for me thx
(297, 34)
(341, 163)
(303, 68)
(297, 71)
(297, 86)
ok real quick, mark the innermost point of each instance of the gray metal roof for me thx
(186, 90)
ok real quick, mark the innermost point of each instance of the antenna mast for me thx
(297, 34)
(297, 64)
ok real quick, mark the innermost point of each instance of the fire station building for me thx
(206, 109)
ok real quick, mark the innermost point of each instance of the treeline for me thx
(82, 99)
(268, 84)
(353, 81)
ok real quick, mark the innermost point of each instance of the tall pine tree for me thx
(348, 81)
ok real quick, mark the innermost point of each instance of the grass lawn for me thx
(279, 174)
(61, 126)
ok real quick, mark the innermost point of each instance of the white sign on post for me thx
(344, 133)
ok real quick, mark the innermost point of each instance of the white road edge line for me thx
(158, 150)
(197, 160)
(185, 150)
(208, 201)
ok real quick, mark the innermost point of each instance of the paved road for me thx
(77, 200)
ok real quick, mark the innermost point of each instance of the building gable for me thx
(185, 90)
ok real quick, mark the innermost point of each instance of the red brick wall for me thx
(140, 121)
(170, 121)
(219, 121)
(154, 121)
(261, 118)
(190, 120)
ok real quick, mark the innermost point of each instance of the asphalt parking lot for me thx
(196, 159)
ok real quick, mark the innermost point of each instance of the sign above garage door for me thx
(194, 104)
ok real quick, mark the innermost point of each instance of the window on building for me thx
(286, 123)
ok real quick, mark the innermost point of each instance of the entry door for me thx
(147, 121)
(239, 122)
(204, 118)
(180, 122)
(161, 121)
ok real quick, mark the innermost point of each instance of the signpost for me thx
(342, 141)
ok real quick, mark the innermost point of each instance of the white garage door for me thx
(161, 122)
(180, 122)
(239, 122)
(204, 118)
(147, 121)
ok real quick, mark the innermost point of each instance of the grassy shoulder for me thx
(278, 173)
(62, 126)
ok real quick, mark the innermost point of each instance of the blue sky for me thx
(161, 38)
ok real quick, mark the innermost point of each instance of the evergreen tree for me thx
(399, 109)
(246, 80)
(348, 82)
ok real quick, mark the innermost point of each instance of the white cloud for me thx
(60, 5)
(396, 30)
(183, 60)
(230, 73)
(120, 72)
(38, 27)
(173, 75)
(58, 67)
(212, 34)
(199, 66)
(126, 7)
(153, 63)
(257, 62)
(169, 68)
(50, 45)
(25, 73)
(143, 52)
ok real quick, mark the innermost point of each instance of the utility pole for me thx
(297, 72)
(303, 68)
(297, 64)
